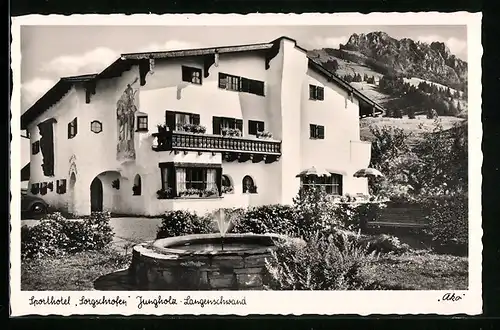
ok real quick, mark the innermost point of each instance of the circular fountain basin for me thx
(203, 262)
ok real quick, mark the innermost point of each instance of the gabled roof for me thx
(126, 61)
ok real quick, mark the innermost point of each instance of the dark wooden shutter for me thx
(222, 80)
(261, 126)
(216, 125)
(75, 124)
(171, 178)
(245, 85)
(218, 179)
(321, 132)
(195, 119)
(321, 93)
(257, 87)
(252, 127)
(69, 130)
(312, 130)
(170, 120)
(312, 92)
(186, 74)
(239, 125)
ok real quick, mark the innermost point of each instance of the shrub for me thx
(316, 211)
(320, 264)
(91, 233)
(42, 240)
(267, 219)
(176, 223)
(448, 223)
(56, 235)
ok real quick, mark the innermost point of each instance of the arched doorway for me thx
(96, 195)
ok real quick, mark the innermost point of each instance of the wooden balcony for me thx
(232, 148)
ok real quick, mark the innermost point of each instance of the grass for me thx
(74, 272)
(415, 126)
(419, 271)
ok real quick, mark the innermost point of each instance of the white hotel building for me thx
(236, 126)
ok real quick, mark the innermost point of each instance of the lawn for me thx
(74, 272)
(415, 271)
(419, 271)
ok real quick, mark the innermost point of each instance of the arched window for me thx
(227, 185)
(137, 188)
(249, 185)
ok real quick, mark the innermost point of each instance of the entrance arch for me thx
(96, 195)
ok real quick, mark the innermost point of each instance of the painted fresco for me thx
(125, 111)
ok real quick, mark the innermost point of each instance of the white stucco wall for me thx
(285, 109)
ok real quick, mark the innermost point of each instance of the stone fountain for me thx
(219, 261)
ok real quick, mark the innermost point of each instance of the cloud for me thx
(169, 45)
(456, 46)
(34, 89)
(327, 42)
(90, 62)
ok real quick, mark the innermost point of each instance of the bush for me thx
(354, 217)
(448, 223)
(91, 233)
(176, 223)
(279, 219)
(56, 235)
(384, 244)
(319, 264)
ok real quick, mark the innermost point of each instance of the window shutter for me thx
(195, 119)
(75, 130)
(222, 80)
(312, 92)
(321, 93)
(171, 178)
(239, 125)
(245, 85)
(312, 131)
(252, 129)
(186, 74)
(260, 88)
(321, 132)
(69, 130)
(216, 125)
(170, 120)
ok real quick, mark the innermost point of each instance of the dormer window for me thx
(191, 75)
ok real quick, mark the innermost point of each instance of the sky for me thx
(51, 52)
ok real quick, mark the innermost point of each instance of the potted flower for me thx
(165, 193)
(199, 129)
(162, 128)
(264, 135)
(227, 189)
(210, 192)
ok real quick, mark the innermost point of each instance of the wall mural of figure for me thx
(125, 112)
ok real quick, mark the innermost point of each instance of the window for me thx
(332, 184)
(241, 84)
(96, 126)
(142, 123)
(186, 179)
(316, 93)
(255, 126)
(72, 129)
(317, 131)
(35, 147)
(137, 187)
(222, 124)
(177, 120)
(248, 185)
(192, 75)
(227, 186)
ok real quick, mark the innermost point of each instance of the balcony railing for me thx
(177, 140)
